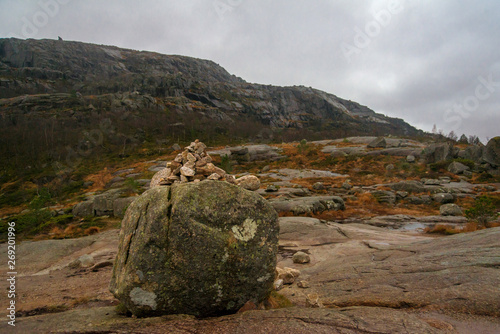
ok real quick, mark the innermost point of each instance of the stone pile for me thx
(194, 164)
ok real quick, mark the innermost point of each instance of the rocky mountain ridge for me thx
(37, 67)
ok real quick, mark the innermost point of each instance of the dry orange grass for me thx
(366, 206)
(92, 230)
(469, 227)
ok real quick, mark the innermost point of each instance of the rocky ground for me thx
(358, 208)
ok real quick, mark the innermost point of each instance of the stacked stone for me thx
(194, 164)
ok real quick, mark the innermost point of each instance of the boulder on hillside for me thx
(408, 186)
(457, 168)
(473, 152)
(492, 152)
(378, 143)
(440, 152)
(383, 196)
(450, 210)
(203, 249)
(443, 198)
(249, 182)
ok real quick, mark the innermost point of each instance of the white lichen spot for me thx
(263, 278)
(141, 297)
(246, 231)
(220, 294)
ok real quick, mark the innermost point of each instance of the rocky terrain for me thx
(86, 100)
(357, 252)
(382, 228)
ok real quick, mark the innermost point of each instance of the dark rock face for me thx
(440, 152)
(457, 168)
(492, 152)
(383, 196)
(63, 66)
(202, 248)
(408, 186)
(378, 143)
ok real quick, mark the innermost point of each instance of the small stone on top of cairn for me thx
(194, 164)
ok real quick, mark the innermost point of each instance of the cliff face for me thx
(50, 67)
(54, 92)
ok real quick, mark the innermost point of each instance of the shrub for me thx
(226, 164)
(132, 186)
(483, 211)
(302, 146)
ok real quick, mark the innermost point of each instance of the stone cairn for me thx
(194, 164)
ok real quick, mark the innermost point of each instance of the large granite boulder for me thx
(492, 152)
(202, 248)
(457, 168)
(440, 152)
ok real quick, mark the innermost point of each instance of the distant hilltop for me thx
(56, 66)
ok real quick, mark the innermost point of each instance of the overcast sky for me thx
(428, 62)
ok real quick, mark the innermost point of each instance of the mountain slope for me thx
(53, 92)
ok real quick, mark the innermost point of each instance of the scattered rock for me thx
(312, 300)
(410, 158)
(457, 168)
(301, 257)
(84, 209)
(303, 284)
(401, 194)
(272, 188)
(288, 275)
(84, 261)
(440, 152)
(383, 196)
(492, 152)
(378, 143)
(408, 186)
(103, 203)
(170, 236)
(318, 186)
(249, 182)
(443, 198)
(431, 182)
(120, 205)
(389, 167)
(278, 284)
(346, 185)
(450, 210)
(176, 147)
(419, 200)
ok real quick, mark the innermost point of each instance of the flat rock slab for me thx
(352, 320)
(457, 273)
(41, 257)
(308, 204)
(287, 174)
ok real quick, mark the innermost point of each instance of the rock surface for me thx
(450, 210)
(202, 248)
(492, 152)
(356, 265)
(308, 204)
